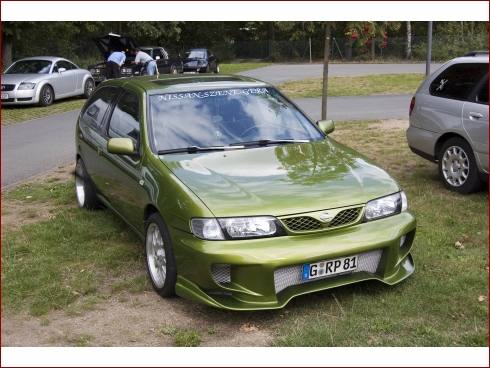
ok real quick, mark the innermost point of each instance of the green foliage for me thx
(187, 338)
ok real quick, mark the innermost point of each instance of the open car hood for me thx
(113, 42)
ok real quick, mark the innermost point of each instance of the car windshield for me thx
(223, 118)
(30, 67)
(195, 54)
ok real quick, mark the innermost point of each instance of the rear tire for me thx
(217, 68)
(173, 69)
(457, 167)
(160, 259)
(85, 193)
(46, 96)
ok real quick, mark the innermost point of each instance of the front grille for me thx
(345, 217)
(221, 273)
(302, 224)
(8, 87)
(291, 275)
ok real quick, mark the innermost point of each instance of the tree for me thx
(370, 34)
(325, 70)
(409, 40)
(12, 31)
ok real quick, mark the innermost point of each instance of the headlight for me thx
(26, 86)
(236, 228)
(94, 71)
(386, 206)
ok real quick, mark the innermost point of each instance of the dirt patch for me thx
(141, 320)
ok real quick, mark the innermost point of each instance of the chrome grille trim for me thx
(221, 273)
(291, 275)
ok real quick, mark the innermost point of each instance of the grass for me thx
(55, 263)
(354, 85)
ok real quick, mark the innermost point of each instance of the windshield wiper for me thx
(194, 149)
(265, 142)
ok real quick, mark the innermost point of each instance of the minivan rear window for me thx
(458, 80)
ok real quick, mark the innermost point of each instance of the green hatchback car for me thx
(241, 200)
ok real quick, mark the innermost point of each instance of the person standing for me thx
(142, 58)
(114, 63)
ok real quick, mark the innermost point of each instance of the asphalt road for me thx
(33, 147)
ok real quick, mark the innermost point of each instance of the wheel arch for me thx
(443, 138)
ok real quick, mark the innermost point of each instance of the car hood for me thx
(282, 180)
(19, 78)
(112, 42)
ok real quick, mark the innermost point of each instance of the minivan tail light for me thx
(412, 104)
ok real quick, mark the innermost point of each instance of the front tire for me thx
(89, 88)
(46, 96)
(85, 192)
(457, 167)
(160, 257)
(173, 70)
(217, 68)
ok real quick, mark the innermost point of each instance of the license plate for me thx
(5, 96)
(189, 72)
(330, 267)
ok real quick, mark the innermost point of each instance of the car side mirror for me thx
(326, 126)
(60, 70)
(121, 146)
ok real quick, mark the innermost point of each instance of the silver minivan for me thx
(449, 122)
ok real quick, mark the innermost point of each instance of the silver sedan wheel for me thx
(156, 257)
(455, 166)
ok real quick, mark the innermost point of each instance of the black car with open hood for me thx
(107, 44)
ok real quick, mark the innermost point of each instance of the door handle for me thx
(475, 115)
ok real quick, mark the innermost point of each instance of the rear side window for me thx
(457, 81)
(482, 96)
(95, 108)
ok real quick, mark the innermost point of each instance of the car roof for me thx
(49, 58)
(478, 58)
(168, 83)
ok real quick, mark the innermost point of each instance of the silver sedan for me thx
(43, 79)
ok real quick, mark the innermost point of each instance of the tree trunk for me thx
(409, 41)
(373, 48)
(348, 52)
(325, 70)
(6, 53)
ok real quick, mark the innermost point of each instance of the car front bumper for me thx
(22, 97)
(266, 273)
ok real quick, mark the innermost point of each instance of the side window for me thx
(124, 122)
(73, 66)
(482, 96)
(64, 64)
(457, 81)
(157, 54)
(94, 110)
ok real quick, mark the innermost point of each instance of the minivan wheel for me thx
(85, 193)
(457, 167)
(160, 257)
